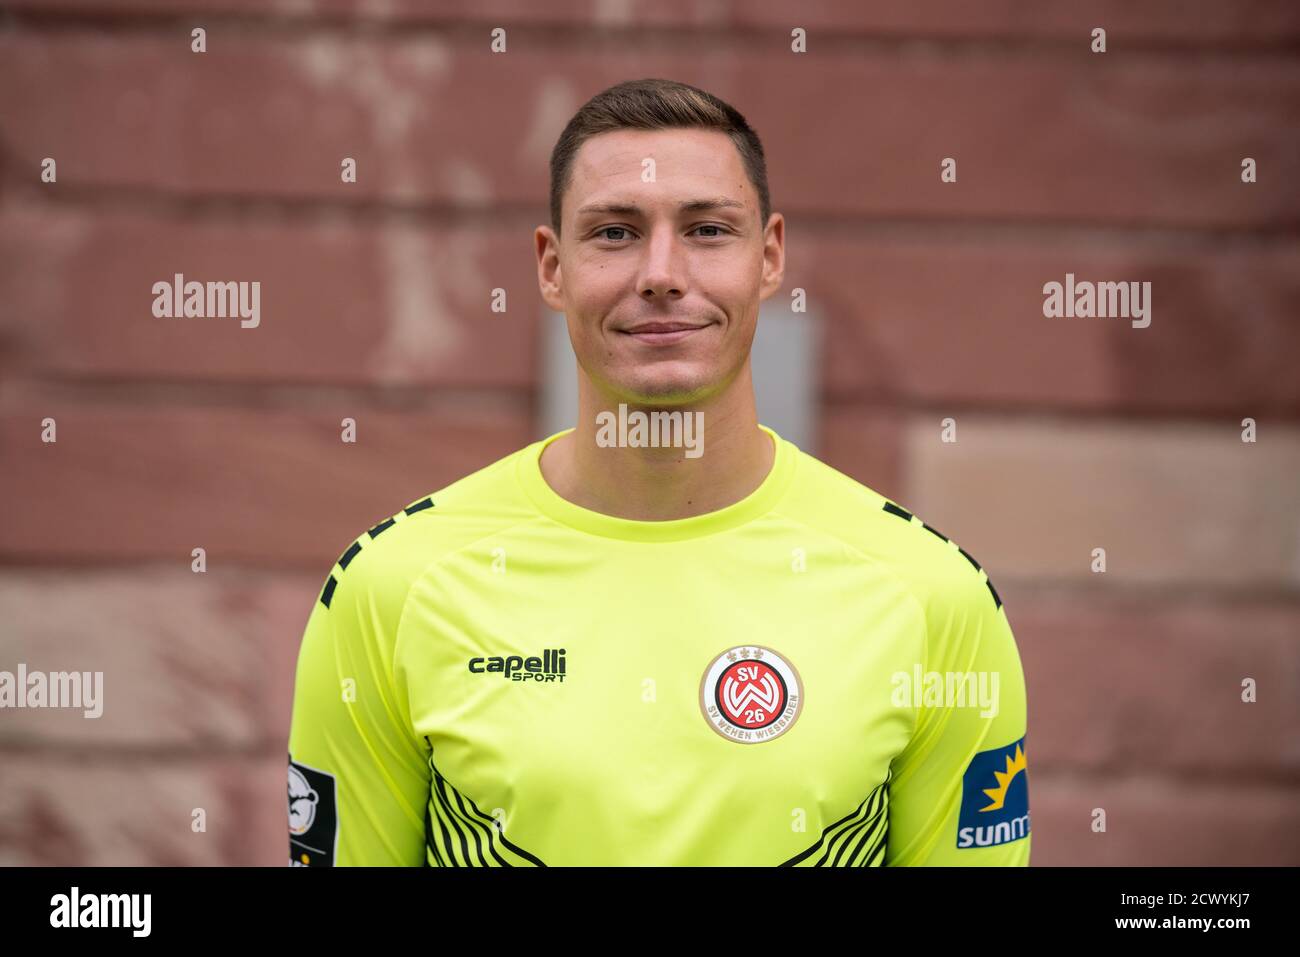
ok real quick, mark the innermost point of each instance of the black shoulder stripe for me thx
(350, 554)
(902, 513)
(354, 549)
(327, 594)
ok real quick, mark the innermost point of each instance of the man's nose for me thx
(662, 271)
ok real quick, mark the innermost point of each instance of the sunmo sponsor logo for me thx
(549, 667)
(995, 798)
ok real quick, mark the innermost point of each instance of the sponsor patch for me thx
(995, 798)
(313, 816)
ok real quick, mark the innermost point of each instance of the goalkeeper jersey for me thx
(811, 676)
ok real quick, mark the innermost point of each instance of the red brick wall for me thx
(1072, 434)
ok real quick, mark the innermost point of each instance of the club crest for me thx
(750, 694)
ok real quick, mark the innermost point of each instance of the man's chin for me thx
(658, 388)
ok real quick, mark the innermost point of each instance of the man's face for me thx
(660, 281)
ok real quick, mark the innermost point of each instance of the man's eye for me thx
(721, 230)
(606, 229)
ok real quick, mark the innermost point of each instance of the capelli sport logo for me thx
(995, 798)
(549, 667)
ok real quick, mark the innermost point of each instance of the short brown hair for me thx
(655, 104)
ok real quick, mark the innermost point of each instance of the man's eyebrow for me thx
(700, 205)
(690, 206)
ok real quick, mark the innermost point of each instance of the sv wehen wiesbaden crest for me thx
(750, 694)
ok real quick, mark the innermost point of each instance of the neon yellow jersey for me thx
(810, 676)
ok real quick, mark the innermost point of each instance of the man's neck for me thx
(660, 484)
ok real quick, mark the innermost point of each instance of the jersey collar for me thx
(752, 506)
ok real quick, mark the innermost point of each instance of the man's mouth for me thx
(662, 333)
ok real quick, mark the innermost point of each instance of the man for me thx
(666, 636)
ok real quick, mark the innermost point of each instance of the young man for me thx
(709, 649)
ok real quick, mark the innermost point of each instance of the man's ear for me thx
(549, 279)
(773, 256)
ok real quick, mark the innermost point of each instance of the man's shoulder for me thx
(879, 529)
(394, 551)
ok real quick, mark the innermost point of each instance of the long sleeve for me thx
(358, 775)
(959, 794)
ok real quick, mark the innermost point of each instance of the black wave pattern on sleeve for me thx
(856, 840)
(458, 834)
